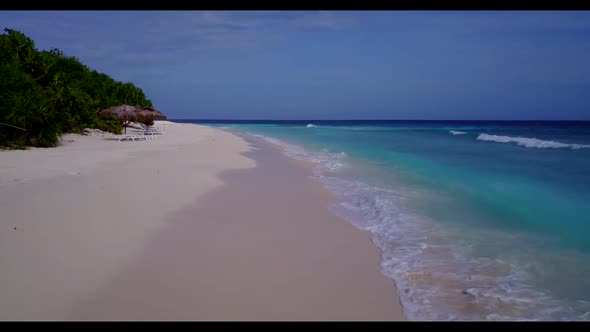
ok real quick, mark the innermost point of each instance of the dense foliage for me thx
(44, 94)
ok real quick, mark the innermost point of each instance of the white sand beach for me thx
(97, 229)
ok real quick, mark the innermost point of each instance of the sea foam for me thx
(433, 267)
(455, 132)
(530, 142)
(325, 161)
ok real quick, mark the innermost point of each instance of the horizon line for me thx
(506, 120)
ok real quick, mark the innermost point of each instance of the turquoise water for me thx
(476, 220)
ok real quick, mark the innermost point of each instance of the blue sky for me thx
(335, 64)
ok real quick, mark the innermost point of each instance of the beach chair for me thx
(146, 134)
(127, 137)
(151, 131)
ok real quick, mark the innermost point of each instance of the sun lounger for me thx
(146, 134)
(130, 137)
(151, 131)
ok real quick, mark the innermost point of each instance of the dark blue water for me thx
(476, 219)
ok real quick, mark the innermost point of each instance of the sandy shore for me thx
(196, 225)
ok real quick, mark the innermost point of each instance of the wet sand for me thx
(258, 244)
(262, 247)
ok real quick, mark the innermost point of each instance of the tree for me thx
(46, 93)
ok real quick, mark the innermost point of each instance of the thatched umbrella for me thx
(147, 115)
(124, 112)
(131, 113)
(151, 112)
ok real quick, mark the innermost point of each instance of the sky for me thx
(431, 65)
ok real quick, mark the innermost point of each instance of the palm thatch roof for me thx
(132, 112)
(151, 112)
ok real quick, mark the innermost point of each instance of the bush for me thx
(145, 119)
(111, 125)
(48, 94)
(12, 138)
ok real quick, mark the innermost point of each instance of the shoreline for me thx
(309, 168)
(100, 250)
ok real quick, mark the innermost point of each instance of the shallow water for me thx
(476, 220)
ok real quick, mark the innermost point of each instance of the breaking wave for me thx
(455, 132)
(530, 142)
(436, 273)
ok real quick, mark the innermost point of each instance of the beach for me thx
(198, 224)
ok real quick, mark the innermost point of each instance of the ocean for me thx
(476, 220)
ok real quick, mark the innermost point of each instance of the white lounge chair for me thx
(151, 131)
(146, 134)
(130, 137)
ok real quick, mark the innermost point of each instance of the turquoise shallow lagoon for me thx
(476, 220)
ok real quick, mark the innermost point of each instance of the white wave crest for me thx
(309, 125)
(414, 248)
(455, 132)
(529, 142)
(324, 160)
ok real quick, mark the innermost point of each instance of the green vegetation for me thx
(145, 119)
(44, 94)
